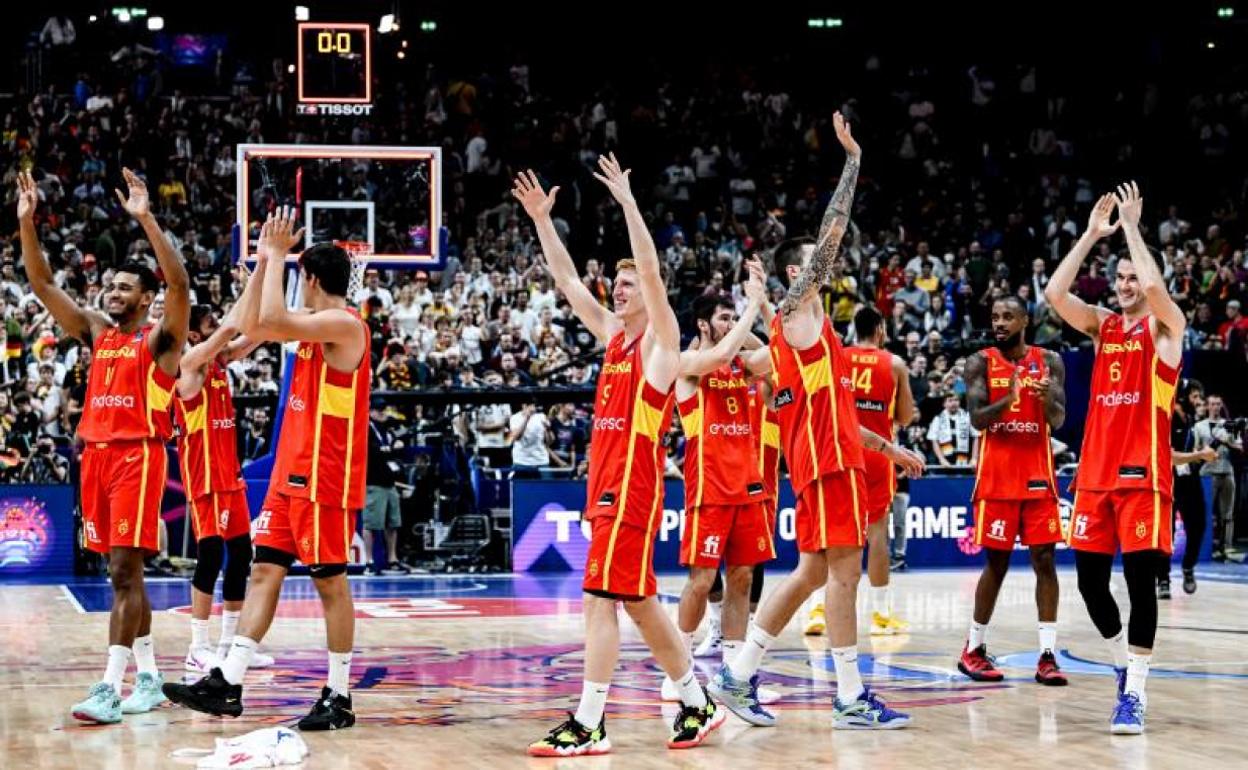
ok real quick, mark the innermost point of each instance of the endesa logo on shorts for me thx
(1015, 426)
(610, 423)
(1118, 399)
(112, 402)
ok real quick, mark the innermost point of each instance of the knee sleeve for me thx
(756, 585)
(208, 564)
(1140, 572)
(267, 555)
(237, 568)
(1094, 571)
(321, 571)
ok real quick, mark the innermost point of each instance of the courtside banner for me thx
(548, 535)
(37, 530)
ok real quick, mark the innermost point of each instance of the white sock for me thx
(118, 659)
(750, 657)
(730, 648)
(690, 690)
(977, 636)
(238, 659)
(1048, 637)
(714, 611)
(1137, 675)
(339, 672)
(880, 600)
(199, 632)
(1118, 648)
(145, 655)
(686, 641)
(848, 682)
(593, 704)
(229, 624)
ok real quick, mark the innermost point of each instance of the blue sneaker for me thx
(102, 706)
(1128, 718)
(739, 697)
(866, 713)
(146, 695)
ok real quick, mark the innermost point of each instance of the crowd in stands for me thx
(726, 167)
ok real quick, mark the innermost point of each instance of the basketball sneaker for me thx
(740, 697)
(693, 724)
(573, 739)
(1163, 588)
(816, 624)
(1189, 581)
(330, 712)
(102, 706)
(868, 712)
(201, 659)
(887, 625)
(146, 695)
(979, 665)
(768, 696)
(1047, 671)
(210, 695)
(713, 645)
(1128, 717)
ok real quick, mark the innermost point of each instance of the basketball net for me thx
(360, 251)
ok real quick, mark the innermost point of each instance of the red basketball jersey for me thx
(1015, 456)
(631, 417)
(322, 454)
(875, 388)
(1126, 439)
(767, 430)
(814, 403)
(207, 442)
(128, 395)
(721, 467)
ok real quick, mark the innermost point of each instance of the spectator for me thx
(45, 466)
(372, 288)
(489, 427)
(1235, 328)
(951, 436)
(382, 508)
(1212, 432)
(918, 301)
(530, 438)
(255, 440)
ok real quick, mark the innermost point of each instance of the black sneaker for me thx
(898, 564)
(331, 712)
(573, 739)
(1189, 581)
(693, 724)
(1163, 589)
(371, 570)
(211, 695)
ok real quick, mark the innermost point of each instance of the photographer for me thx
(1222, 435)
(1189, 494)
(45, 466)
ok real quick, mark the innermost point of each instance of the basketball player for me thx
(881, 384)
(823, 446)
(317, 484)
(624, 501)
(1124, 483)
(125, 424)
(1015, 394)
(216, 498)
(725, 513)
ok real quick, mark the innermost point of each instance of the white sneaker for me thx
(668, 691)
(712, 645)
(260, 660)
(767, 696)
(201, 660)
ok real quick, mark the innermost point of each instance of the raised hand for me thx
(528, 191)
(27, 195)
(911, 463)
(139, 203)
(1130, 204)
(845, 136)
(756, 285)
(616, 179)
(1098, 220)
(278, 234)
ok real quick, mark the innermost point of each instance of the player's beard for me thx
(1010, 341)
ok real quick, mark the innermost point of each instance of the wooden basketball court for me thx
(465, 671)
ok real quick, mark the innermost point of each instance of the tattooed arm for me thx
(831, 230)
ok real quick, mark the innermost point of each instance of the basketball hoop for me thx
(360, 251)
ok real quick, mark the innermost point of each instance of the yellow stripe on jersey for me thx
(316, 440)
(647, 420)
(147, 460)
(158, 397)
(196, 418)
(638, 406)
(771, 435)
(836, 428)
(816, 375)
(337, 400)
(701, 454)
(1152, 421)
(346, 478)
(692, 423)
(1163, 392)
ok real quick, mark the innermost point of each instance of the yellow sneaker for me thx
(816, 624)
(887, 625)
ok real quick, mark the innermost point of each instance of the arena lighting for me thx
(402, 55)
(290, 68)
(156, 23)
(428, 26)
(827, 23)
(387, 24)
(123, 16)
(1226, 12)
(302, 13)
(1210, 45)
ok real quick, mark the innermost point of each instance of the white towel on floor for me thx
(270, 747)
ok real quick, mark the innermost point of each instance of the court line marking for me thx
(72, 599)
